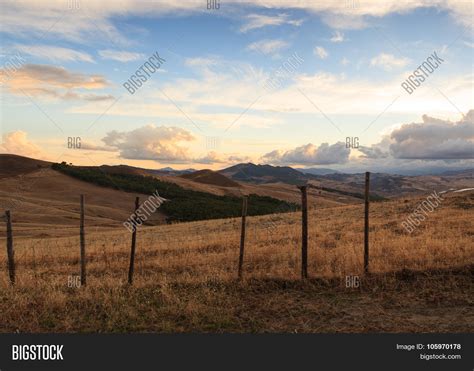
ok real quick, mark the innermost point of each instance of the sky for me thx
(280, 82)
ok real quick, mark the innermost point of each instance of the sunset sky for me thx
(279, 82)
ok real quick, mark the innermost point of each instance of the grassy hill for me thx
(185, 276)
(207, 176)
(14, 165)
(184, 205)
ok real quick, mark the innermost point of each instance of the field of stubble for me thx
(185, 276)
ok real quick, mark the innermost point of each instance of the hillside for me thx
(265, 174)
(207, 176)
(399, 185)
(13, 165)
(182, 205)
(383, 185)
(185, 276)
(45, 203)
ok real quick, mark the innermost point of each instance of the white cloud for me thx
(309, 154)
(48, 81)
(320, 52)
(345, 61)
(211, 158)
(267, 46)
(163, 144)
(254, 21)
(157, 143)
(120, 55)
(94, 19)
(54, 53)
(231, 91)
(16, 142)
(388, 61)
(337, 37)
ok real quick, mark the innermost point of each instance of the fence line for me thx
(10, 253)
(242, 236)
(304, 231)
(83, 244)
(366, 224)
(304, 234)
(134, 239)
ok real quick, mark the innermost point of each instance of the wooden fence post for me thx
(10, 253)
(83, 244)
(134, 238)
(304, 231)
(366, 226)
(242, 236)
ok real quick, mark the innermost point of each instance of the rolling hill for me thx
(45, 203)
(381, 184)
(44, 199)
(265, 174)
(207, 176)
(14, 165)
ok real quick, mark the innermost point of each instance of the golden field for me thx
(185, 275)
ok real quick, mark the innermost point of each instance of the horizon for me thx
(415, 172)
(317, 85)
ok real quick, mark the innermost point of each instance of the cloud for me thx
(93, 21)
(344, 21)
(47, 81)
(201, 61)
(96, 147)
(54, 53)
(372, 152)
(337, 37)
(435, 139)
(16, 142)
(120, 55)
(157, 143)
(267, 46)
(239, 159)
(211, 158)
(388, 61)
(254, 21)
(309, 154)
(164, 144)
(320, 52)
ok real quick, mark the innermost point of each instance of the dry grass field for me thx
(185, 276)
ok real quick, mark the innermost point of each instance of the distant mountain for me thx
(382, 184)
(126, 169)
(207, 176)
(318, 171)
(468, 173)
(265, 174)
(171, 171)
(426, 170)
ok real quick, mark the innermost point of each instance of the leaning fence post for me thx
(304, 231)
(366, 226)
(242, 236)
(83, 244)
(134, 238)
(11, 260)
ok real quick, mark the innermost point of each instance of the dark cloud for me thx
(434, 139)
